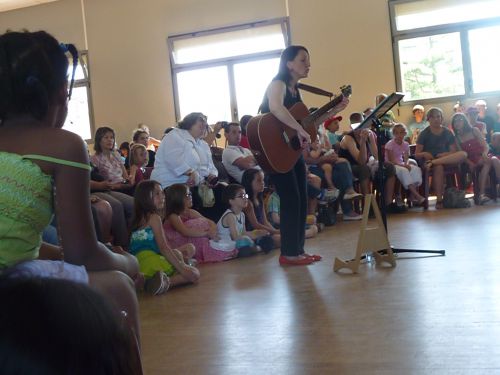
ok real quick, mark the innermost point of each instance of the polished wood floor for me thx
(429, 315)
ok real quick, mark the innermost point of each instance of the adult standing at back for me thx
(281, 94)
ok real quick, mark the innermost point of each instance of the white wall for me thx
(349, 42)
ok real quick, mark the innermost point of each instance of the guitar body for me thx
(276, 146)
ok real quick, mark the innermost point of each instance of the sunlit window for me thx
(431, 66)
(446, 48)
(224, 73)
(484, 59)
(425, 13)
(79, 119)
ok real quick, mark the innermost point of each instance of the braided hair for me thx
(33, 67)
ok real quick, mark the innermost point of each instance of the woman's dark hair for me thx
(33, 68)
(243, 123)
(99, 135)
(174, 199)
(230, 193)
(54, 326)
(137, 133)
(467, 127)
(125, 146)
(143, 203)
(191, 119)
(247, 180)
(288, 54)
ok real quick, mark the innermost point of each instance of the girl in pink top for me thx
(184, 225)
(471, 140)
(397, 152)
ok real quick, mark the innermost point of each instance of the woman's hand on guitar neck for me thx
(339, 107)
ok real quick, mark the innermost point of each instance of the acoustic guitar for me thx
(275, 145)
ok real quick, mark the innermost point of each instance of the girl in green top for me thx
(45, 169)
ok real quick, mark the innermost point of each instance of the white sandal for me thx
(158, 284)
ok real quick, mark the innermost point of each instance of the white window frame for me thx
(85, 82)
(462, 28)
(229, 62)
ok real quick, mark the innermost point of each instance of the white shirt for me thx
(178, 153)
(230, 155)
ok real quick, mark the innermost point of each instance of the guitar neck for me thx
(318, 116)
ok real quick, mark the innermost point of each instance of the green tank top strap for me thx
(58, 161)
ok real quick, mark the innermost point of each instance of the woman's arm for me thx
(347, 143)
(268, 226)
(133, 171)
(124, 173)
(230, 221)
(479, 136)
(372, 143)
(250, 215)
(420, 153)
(276, 95)
(178, 225)
(72, 202)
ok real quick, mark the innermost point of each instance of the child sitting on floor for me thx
(255, 212)
(231, 226)
(184, 225)
(273, 215)
(162, 266)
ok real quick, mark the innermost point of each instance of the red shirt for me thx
(244, 142)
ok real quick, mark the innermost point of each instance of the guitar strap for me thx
(315, 90)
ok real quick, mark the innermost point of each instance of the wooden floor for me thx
(429, 315)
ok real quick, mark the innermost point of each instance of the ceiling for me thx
(6, 5)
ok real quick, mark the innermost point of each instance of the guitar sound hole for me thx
(295, 142)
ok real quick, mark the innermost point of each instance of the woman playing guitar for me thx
(281, 94)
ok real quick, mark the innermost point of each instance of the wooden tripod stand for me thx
(371, 239)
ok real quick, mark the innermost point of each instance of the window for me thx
(80, 118)
(445, 48)
(224, 72)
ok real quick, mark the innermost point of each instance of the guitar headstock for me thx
(346, 90)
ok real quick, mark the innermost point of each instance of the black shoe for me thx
(393, 208)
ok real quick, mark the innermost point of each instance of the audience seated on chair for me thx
(235, 158)
(360, 149)
(141, 136)
(436, 145)
(397, 152)
(483, 117)
(108, 160)
(138, 161)
(418, 124)
(471, 141)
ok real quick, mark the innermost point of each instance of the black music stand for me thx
(374, 119)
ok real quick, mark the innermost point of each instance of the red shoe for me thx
(314, 257)
(284, 261)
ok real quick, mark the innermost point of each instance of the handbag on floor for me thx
(327, 214)
(454, 198)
